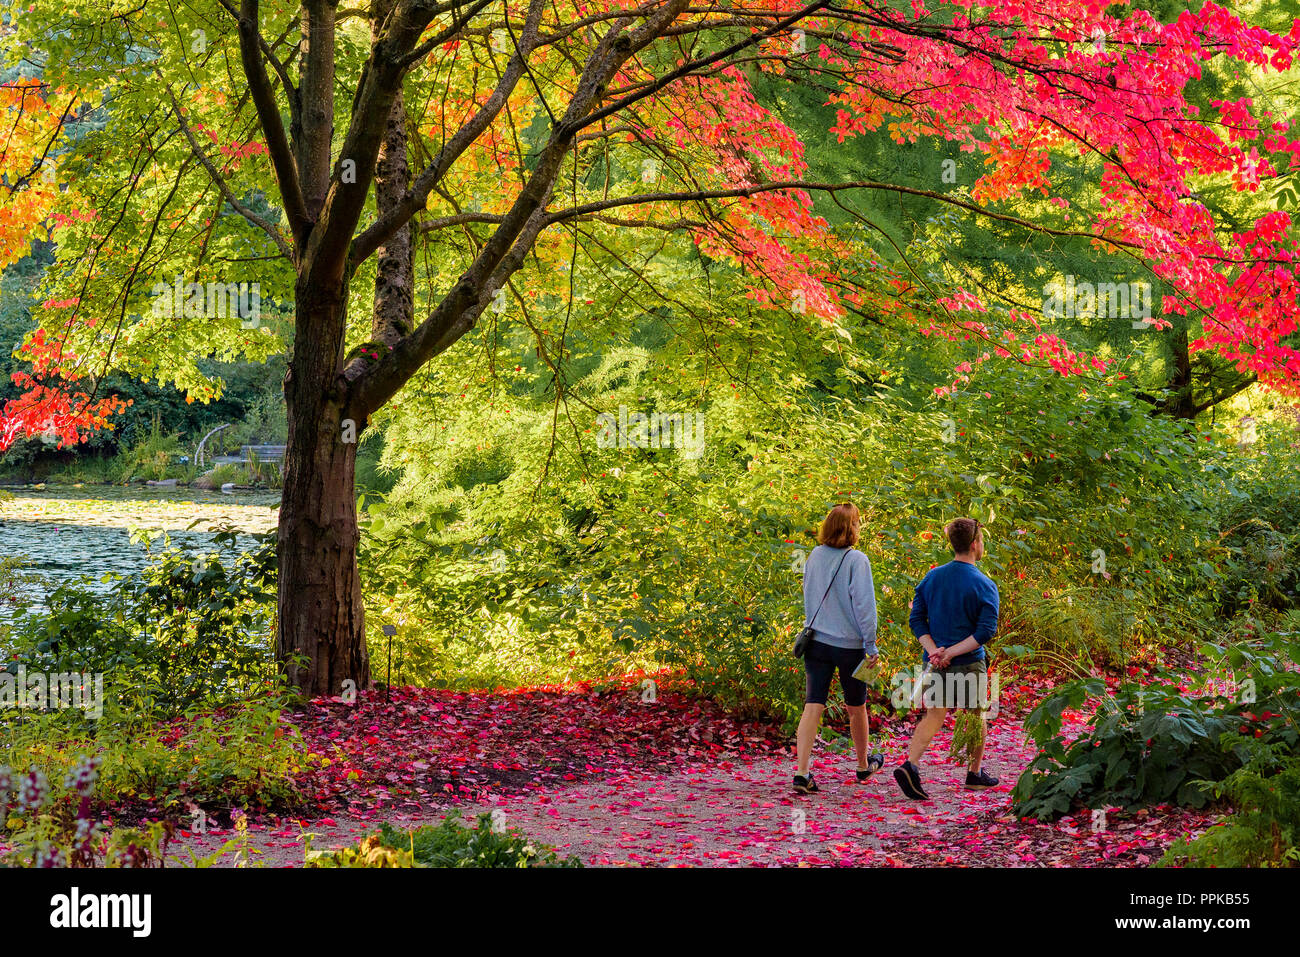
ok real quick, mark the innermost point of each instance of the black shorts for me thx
(820, 662)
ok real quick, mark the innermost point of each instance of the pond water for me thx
(66, 532)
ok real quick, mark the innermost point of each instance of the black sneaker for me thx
(980, 781)
(874, 763)
(805, 785)
(909, 780)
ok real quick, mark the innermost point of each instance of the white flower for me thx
(32, 790)
(47, 855)
(81, 778)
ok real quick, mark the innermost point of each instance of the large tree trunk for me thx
(322, 617)
(321, 612)
(1181, 404)
(1221, 382)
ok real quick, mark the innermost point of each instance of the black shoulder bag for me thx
(805, 635)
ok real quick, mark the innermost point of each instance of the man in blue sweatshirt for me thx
(954, 614)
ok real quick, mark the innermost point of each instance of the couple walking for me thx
(954, 614)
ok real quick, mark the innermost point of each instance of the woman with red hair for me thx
(840, 606)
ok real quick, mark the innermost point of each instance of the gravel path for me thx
(730, 812)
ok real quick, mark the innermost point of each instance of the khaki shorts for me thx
(962, 687)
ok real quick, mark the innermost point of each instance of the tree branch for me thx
(295, 102)
(268, 113)
(372, 385)
(260, 221)
(746, 191)
(418, 195)
(327, 258)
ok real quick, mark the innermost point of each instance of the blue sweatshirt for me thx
(952, 603)
(848, 618)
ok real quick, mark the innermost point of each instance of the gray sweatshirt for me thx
(848, 617)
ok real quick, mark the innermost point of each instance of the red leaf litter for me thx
(433, 747)
(620, 781)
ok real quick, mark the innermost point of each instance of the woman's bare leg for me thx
(861, 733)
(812, 717)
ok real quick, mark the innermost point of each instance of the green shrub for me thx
(1155, 742)
(152, 457)
(229, 473)
(242, 755)
(1147, 745)
(191, 630)
(371, 852)
(96, 470)
(254, 473)
(263, 421)
(262, 473)
(1264, 828)
(452, 843)
(1260, 522)
(180, 660)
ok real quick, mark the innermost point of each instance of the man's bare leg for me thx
(976, 757)
(926, 729)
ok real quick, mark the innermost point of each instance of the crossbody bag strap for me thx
(828, 590)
